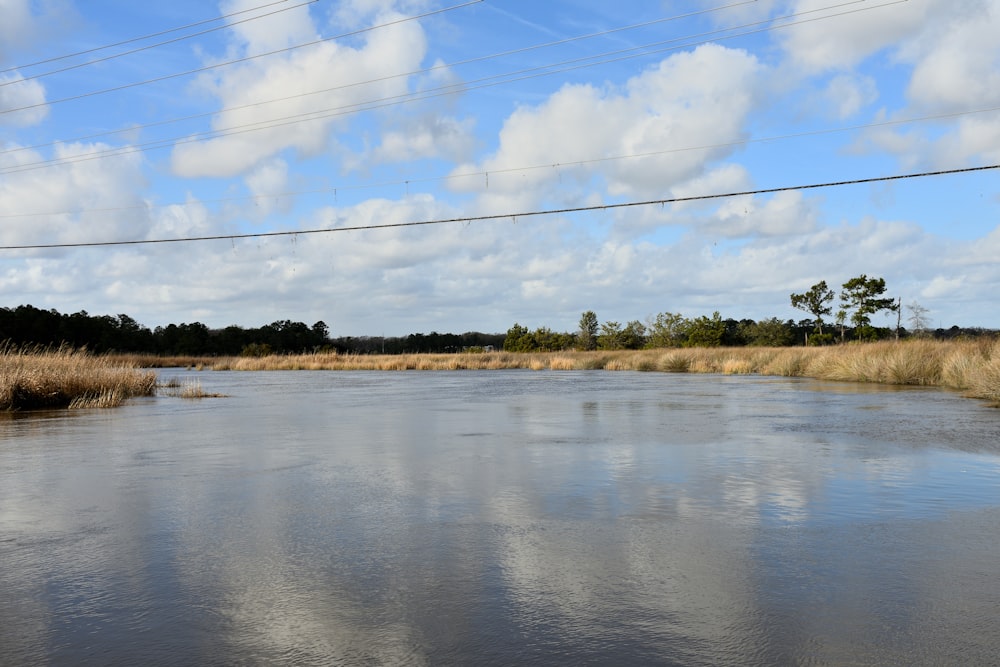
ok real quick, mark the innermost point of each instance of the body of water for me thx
(503, 518)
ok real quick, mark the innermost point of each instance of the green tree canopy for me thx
(815, 301)
(586, 337)
(611, 337)
(706, 331)
(666, 330)
(770, 332)
(863, 296)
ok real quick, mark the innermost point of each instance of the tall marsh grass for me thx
(33, 379)
(969, 366)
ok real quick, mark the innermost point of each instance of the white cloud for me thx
(783, 214)
(280, 30)
(428, 136)
(689, 100)
(268, 183)
(951, 58)
(16, 93)
(303, 118)
(847, 94)
(956, 59)
(81, 201)
(841, 42)
(27, 22)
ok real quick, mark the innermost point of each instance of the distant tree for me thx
(842, 323)
(321, 332)
(634, 335)
(815, 301)
(518, 339)
(611, 336)
(706, 331)
(666, 330)
(770, 332)
(544, 339)
(918, 319)
(586, 337)
(863, 295)
(733, 334)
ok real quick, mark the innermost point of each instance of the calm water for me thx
(504, 518)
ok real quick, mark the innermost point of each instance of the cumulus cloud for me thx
(307, 92)
(26, 22)
(280, 30)
(428, 136)
(956, 59)
(75, 201)
(951, 59)
(845, 38)
(689, 100)
(783, 214)
(16, 93)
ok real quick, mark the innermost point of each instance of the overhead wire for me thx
(240, 60)
(505, 78)
(137, 39)
(158, 44)
(500, 216)
(427, 70)
(518, 169)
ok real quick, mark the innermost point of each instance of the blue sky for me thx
(373, 112)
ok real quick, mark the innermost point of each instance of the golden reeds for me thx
(38, 378)
(33, 379)
(969, 366)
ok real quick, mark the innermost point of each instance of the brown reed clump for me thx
(675, 362)
(33, 379)
(975, 369)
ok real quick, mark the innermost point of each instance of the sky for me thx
(544, 144)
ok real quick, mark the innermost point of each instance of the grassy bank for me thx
(972, 367)
(66, 378)
(35, 379)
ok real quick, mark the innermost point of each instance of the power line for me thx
(427, 70)
(175, 75)
(524, 168)
(504, 216)
(138, 39)
(164, 43)
(496, 79)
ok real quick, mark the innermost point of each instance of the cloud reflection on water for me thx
(499, 518)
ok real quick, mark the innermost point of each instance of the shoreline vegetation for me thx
(32, 379)
(37, 379)
(968, 366)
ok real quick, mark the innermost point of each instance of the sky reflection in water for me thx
(503, 518)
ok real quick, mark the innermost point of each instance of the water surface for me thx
(504, 517)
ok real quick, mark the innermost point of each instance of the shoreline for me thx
(40, 379)
(971, 367)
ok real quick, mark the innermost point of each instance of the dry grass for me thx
(969, 366)
(187, 389)
(167, 361)
(35, 379)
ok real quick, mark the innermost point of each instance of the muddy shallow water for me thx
(504, 517)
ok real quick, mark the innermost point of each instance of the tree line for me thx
(860, 298)
(29, 326)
